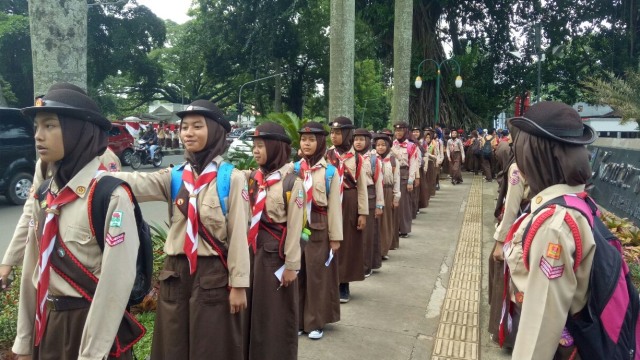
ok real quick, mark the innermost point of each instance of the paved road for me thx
(153, 211)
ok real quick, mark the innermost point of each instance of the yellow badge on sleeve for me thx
(554, 250)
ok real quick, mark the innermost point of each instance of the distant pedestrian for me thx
(455, 155)
(407, 154)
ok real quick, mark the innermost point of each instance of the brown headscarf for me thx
(544, 162)
(387, 140)
(216, 145)
(367, 140)
(82, 141)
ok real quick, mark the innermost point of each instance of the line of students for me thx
(248, 269)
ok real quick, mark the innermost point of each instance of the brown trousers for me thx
(274, 309)
(425, 187)
(193, 319)
(369, 233)
(317, 283)
(486, 168)
(456, 158)
(61, 339)
(388, 222)
(432, 179)
(404, 210)
(350, 256)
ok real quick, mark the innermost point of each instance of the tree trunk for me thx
(341, 58)
(402, 34)
(58, 42)
(3, 101)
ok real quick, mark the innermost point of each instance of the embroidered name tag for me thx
(550, 271)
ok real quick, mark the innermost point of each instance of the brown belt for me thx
(388, 186)
(66, 303)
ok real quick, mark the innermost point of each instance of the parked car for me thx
(17, 155)
(234, 134)
(121, 142)
(242, 144)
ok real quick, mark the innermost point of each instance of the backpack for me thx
(486, 148)
(99, 198)
(223, 183)
(328, 174)
(606, 327)
(475, 147)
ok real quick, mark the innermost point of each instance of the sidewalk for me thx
(429, 300)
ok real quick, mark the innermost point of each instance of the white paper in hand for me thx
(279, 273)
(330, 258)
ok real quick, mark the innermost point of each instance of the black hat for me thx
(272, 131)
(384, 137)
(401, 125)
(555, 121)
(386, 132)
(207, 109)
(68, 102)
(313, 127)
(342, 122)
(362, 132)
(68, 86)
(416, 127)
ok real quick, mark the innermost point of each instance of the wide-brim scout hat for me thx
(342, 122)
(384, 137)
(207, 109)
(401, 125)
(271, 131)
(556, 121)
(416, 128)
(313, 127)
(362, 132)
(386, 132)
(71, 103)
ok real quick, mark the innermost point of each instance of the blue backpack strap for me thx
(176, 180)
(296, 167)
(223, 184)
(374, 157)
(328, 174)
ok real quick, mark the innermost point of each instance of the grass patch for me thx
(143, 348)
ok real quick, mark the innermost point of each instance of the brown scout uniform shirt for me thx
(402, 157)
(291, 215)
(391, 176)
(546, 303)
(350, 166)
(368, 170)
(517, 190)
(115, 267)
(15, 251)
(232, 230)
(332, 202)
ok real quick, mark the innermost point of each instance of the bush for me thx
(9, 317)
(143, 348)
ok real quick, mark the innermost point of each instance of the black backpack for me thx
(486, 149)
(100, 196)
(606, 327)
(475, 147)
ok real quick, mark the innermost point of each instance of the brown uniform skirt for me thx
(350, 256)
(404, 210)
(456, 174)
(274, 309)
(496, 292)
(369, 233)
(415, 200)
(425, 187)
(317, 283)
(192, 319)
(388, 222)
(432, 178)
(62, 337)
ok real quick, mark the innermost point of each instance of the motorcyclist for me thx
(151, 141)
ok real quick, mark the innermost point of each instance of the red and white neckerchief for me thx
(341, 168)
(307, 184)
(49, 236)
(260, 201)
(194, 187)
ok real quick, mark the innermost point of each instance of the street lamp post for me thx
(247, 83)
(438, 65)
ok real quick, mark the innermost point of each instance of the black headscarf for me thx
(347, 141)
(215, 146)
(278, 152)
(82, 141)
(388, 141)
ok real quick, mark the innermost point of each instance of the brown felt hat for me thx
(342, 122)
(556, 121)
(207, 109)
(272, 131)
(63, 100)
(362, 132)
(386, 132)
(401, 125)
(313, 127)
(384, 137)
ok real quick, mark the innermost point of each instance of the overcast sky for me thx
(175, 10)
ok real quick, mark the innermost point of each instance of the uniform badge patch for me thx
(299, 202)
(116, 219)
(515, 178)
(32, 223)
(245, 193)
(519, 297)
(113, 167)
(114, 240)
(81, 190)
(550, 271)
(179, 202)
(554, 250)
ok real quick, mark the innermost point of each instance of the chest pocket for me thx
(211, 212)
(320, 194)
(275, 205)
(83, 246)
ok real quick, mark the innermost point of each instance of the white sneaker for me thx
(316, 334)
(300, 332)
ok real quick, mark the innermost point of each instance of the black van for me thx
(17, 155)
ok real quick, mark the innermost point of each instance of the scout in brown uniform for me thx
(318, 277)
(415, 199)
(362, 146)
(277, 200)
(455, 155)
(422, 199)
(57, 313)
(549, 150)
(429, 159)
(202, 291)
(355, 206)
(390, 174)
(406, 153)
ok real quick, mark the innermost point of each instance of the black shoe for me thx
(344, 293)
(437, 186)
(369, 273)
(403, 235)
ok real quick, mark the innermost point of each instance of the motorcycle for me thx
(142, 156)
